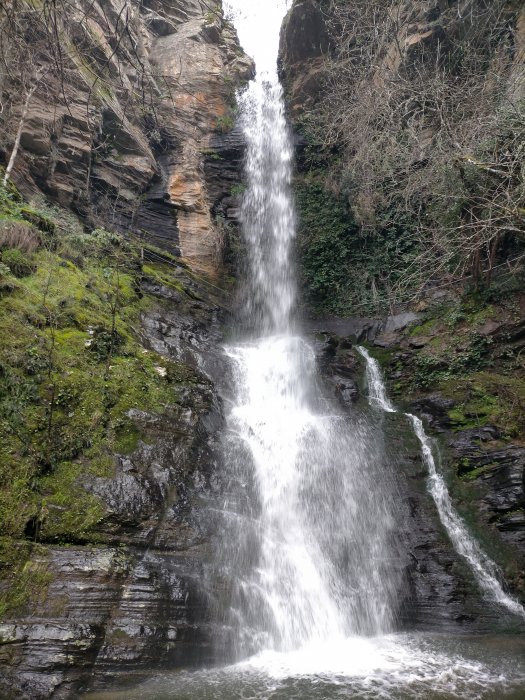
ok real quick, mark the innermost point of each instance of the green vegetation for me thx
(29, 579)
(224, 123)
(464, 361)
(469, 351)
(325, 244)
(488, 398)
(211, 153)
(71, 368)
(344, 268)
(238, 190)
(421, 145)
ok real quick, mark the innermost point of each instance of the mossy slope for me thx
(71, 367)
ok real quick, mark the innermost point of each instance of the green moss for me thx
(127, 438)
(71, 368)
(473, 474)
(424, 328)
(488, 398)
(159, 255)
(38, 219)
(163, 274)
(18, 262)
(382, 355)
(13, 208)
(211, 153)
(68, 513)
(29, 579)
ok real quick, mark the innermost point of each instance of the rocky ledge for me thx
(130, 597)
(486, 477)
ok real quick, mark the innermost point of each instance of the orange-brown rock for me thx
(117, 132)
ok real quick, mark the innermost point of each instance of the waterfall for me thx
(306, 568)
(309, 528)
(484, 569)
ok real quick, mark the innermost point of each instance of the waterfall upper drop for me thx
(267, 212)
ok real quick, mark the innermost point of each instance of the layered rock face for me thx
(127, 98)
(438, 591)
(129, 126)
(484, 467)
(131, 598)
(462, 369)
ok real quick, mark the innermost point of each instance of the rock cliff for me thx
(410, 114)
(111, 227)
(376, 122)
(104, 549)
(126, 99)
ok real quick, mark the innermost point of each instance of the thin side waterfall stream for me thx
(485, 571)
(308, 570)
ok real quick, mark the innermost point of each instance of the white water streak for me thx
(485, 570)
(316, 564)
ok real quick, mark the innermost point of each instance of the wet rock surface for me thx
(339, 365)
(484, 467)
(132, 597)
(438, 591)
(497, 473)
(361, 329)
(223, 164)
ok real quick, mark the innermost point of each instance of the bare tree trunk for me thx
(21, 123)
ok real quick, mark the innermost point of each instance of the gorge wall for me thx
(410, 131)
(124, 194)
(126, 97)
(112, 225)
(411, 120)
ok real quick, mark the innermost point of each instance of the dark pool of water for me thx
(395, 667)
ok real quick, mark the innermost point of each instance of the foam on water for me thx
(391, 667)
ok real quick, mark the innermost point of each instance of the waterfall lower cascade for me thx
(484, 569)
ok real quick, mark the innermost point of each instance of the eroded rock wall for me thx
(130, 126)
(128, 96)
(127, 597)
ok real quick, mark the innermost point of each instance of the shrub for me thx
(326, 231)
(7, 281)
(107, 239)
(77, 246)
(18, 262)
(19, 234)
(224, 124)
(427, 139)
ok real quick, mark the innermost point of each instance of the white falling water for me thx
(312, 536)
(306, 556)
(484, 569)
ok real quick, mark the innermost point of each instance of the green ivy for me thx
(344, 268)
